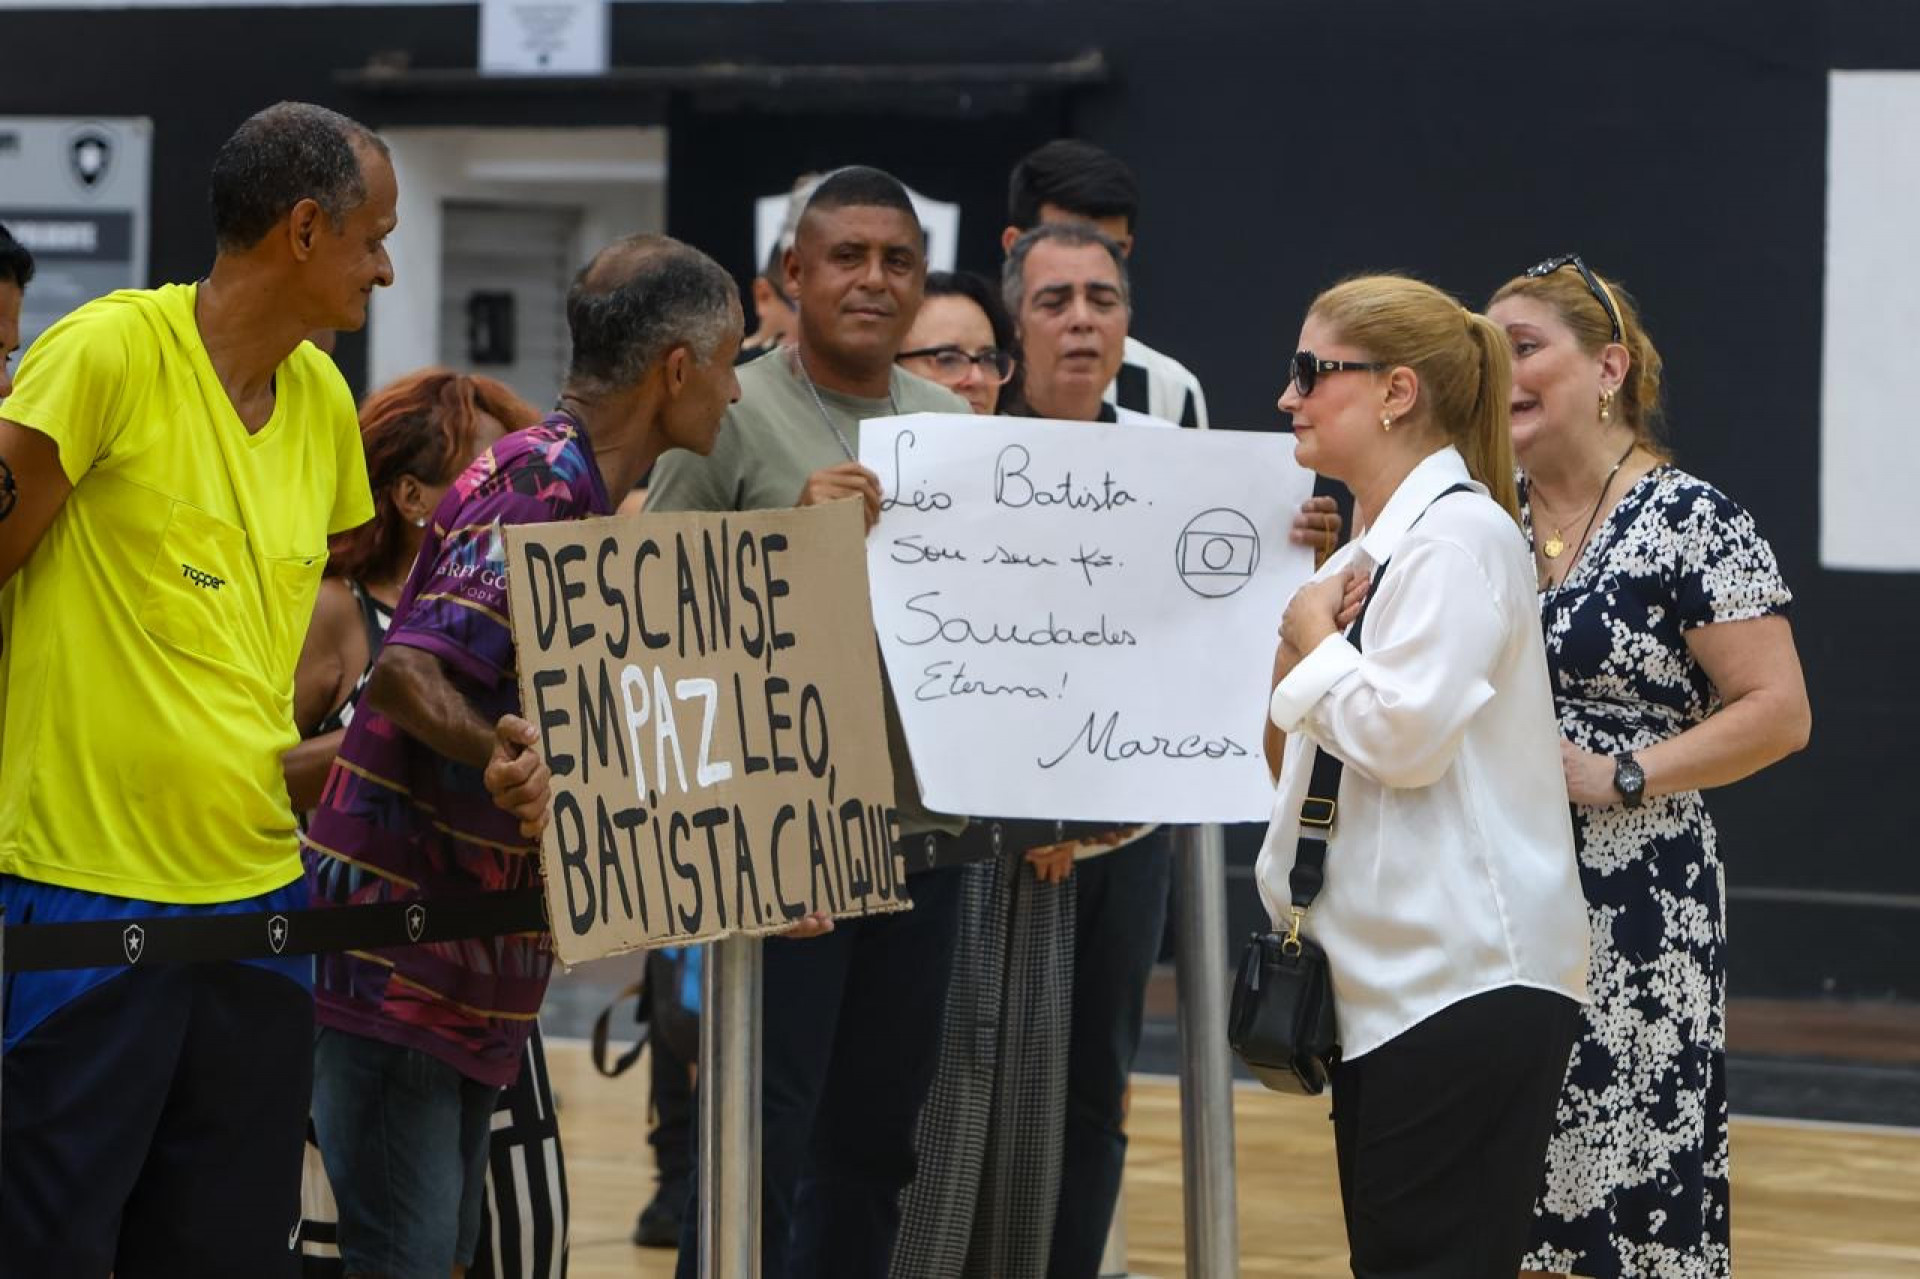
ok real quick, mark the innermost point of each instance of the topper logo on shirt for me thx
(201, 578)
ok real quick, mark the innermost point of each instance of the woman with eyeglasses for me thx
(1450, 911)
(1674, 669)
(962, 339)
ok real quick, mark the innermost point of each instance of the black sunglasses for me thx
(953, 362)
(1307, 367)
(1594, 286)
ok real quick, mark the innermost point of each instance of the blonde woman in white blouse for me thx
(1452, 914)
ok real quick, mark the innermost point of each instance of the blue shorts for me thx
(404, 1137)
(33, 997)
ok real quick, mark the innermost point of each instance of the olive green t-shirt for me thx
(769, 443)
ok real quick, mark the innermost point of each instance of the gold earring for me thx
(1606, 405)
(1386, 421)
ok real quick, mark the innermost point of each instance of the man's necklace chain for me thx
(800, 367)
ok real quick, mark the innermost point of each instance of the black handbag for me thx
(1281, 1021)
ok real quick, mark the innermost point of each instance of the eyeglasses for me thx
(953, 363)
(1599, 290)
(1307, 367)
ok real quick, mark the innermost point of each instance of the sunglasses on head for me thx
(1592, 281)
(1306, 368)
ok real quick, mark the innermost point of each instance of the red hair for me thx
(423, 425)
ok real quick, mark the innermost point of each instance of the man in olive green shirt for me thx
(852, 1017)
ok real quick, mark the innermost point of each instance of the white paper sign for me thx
(1079, 618)
(543, 37)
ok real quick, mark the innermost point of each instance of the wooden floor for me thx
(1838, 1203)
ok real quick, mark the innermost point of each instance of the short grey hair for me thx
(291, 151)
(638, 299)
(1013, 274)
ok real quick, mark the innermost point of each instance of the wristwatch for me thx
(1629, 779)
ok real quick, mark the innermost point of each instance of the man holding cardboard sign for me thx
(852, 1019)
(717, 748)
(415, 1042)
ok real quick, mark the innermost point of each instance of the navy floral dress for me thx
(1636, 1176)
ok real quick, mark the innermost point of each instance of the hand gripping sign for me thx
(707, 693)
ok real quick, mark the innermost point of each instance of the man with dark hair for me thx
(16, 272)
(1072, 181)
(172, 462)
(852, 1018)
(415, 1044)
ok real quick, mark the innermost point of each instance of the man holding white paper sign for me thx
(1067, 286)
(852, 1019)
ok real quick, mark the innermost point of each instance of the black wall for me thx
(1681, 148)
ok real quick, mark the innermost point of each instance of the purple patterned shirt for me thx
(399, 822)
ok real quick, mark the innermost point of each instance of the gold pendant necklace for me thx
(1556, 546)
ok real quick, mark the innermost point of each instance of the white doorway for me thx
(504, 212)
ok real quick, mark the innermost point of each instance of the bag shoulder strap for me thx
(1322, 801)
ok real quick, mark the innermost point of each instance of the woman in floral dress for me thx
(1674, 670)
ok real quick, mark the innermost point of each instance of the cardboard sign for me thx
(708, 698)
(1079, 618)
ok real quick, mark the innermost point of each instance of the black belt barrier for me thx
(164, 939)
(989, 837)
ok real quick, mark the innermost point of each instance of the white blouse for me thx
(1451, 868)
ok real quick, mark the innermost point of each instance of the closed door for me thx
(504, 273)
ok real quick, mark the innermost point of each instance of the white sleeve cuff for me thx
(1330, 661)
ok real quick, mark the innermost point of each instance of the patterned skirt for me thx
(1636, 1177)
(989, 1138)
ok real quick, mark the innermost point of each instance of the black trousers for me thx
(851, 1039)
(1120, 910)
(154, 1126)
(672, 1092)
(1442, 1135)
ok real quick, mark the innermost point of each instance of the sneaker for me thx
(659, 1223)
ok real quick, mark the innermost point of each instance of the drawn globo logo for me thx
(1217, 552)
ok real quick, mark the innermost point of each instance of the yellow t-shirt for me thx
(146, 683)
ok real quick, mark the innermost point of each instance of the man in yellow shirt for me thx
(175, 461)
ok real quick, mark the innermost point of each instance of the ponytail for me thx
(1485, 439)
